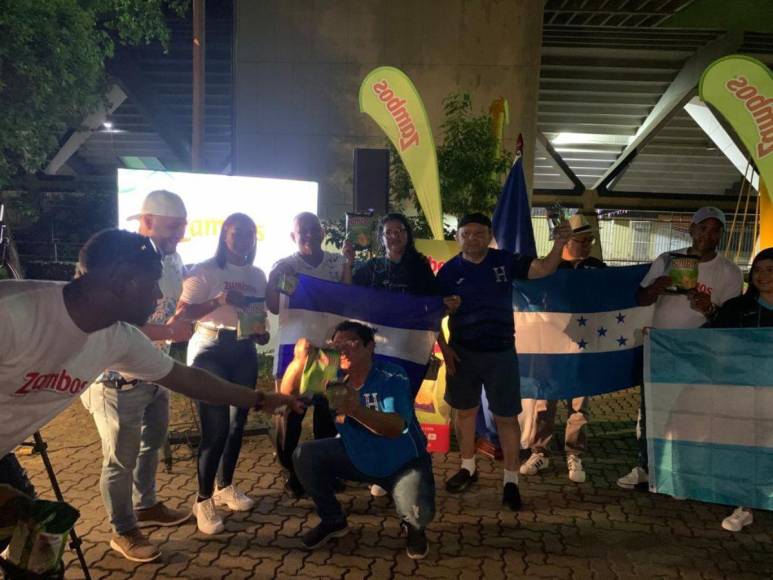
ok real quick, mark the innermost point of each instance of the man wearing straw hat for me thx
(576, 255)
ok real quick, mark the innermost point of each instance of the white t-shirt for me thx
(719, 278)
(207, 280)
(331, 268)
(46, 361)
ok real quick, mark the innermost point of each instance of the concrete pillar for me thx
(299, 64)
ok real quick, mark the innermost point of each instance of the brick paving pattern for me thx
(566, 530)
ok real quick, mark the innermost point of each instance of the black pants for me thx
(323, 426)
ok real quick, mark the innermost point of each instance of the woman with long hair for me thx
(400, 267)
(753, 309)
(217, 293)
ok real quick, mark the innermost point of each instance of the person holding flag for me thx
(576, 256)
(481, 348)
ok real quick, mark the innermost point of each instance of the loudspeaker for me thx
(371, 180)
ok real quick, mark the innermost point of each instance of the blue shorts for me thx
(497, 372)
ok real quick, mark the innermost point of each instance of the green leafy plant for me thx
(52, 71)
(471, 167)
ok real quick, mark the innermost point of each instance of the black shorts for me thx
(497, 372)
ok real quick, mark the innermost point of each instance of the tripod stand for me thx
(39, 444)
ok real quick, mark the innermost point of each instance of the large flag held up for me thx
(579, 332)
(709, 407)
(406, 326)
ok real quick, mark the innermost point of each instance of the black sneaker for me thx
(460, 481)
(416, 545)
(511, 497)
(294, 487)
(318, 536)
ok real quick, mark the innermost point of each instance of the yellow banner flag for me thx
(391, 99)
(741, 89)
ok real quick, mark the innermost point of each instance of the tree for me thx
(470, 165)
(52, 72)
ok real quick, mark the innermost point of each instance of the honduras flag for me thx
(709, 408)
(406, 326)
(579, 332)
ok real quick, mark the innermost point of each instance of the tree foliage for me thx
(52, 73)
(470, 165)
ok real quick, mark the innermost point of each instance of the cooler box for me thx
(438, 436)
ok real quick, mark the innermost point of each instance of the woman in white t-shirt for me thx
(216, 294)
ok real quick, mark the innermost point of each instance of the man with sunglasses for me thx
(380, 441)
(58, 337)
(575, 255)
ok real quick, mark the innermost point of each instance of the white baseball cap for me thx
(164, 203)
(707, 212)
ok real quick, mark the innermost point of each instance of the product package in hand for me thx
(683, 271)
(287, 284)
(251, 319)
(40, 535)
(556, 214)
(321, 368)
(360, 228)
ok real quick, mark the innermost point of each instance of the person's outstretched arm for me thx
(204, 386)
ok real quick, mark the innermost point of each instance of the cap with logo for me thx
(164, 203)
(707, 212)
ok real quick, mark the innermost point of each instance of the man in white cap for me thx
(719, 279)
(132, 416)
(575, 255)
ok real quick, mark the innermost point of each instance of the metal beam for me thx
(91, 123)
(592, 199)
(579, 186)
(681, 90)
(132, 80)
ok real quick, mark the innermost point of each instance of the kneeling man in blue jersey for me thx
(379, 442)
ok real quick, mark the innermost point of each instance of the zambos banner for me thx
(741, 89)
(391, 99)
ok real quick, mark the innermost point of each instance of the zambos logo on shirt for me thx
(204, 227)
(60, 382)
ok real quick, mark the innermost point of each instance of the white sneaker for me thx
(206, 516)
(739, 519)
(636, 477)
(576, 472)
(536, 462)
(377, 491)
(233, 498)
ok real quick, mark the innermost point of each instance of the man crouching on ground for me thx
(380, 442)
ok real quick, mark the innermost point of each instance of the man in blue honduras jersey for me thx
(481, 350)
(379, 442)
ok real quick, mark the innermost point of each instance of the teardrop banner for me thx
(392, 101)
(740, 88)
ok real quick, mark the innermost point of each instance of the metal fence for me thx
(628, 239)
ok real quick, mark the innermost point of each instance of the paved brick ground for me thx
(567, 530)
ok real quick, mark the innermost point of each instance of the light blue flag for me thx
(579, 332)
(406, 326)
(709, 407)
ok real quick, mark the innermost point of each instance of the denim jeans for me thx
(132, 424)
(323, 426)
(319, 463)
(222, 427)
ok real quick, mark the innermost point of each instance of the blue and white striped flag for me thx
(579, 332)
(406, 325)
(709, 407)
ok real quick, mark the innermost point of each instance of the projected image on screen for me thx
(209, 199)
